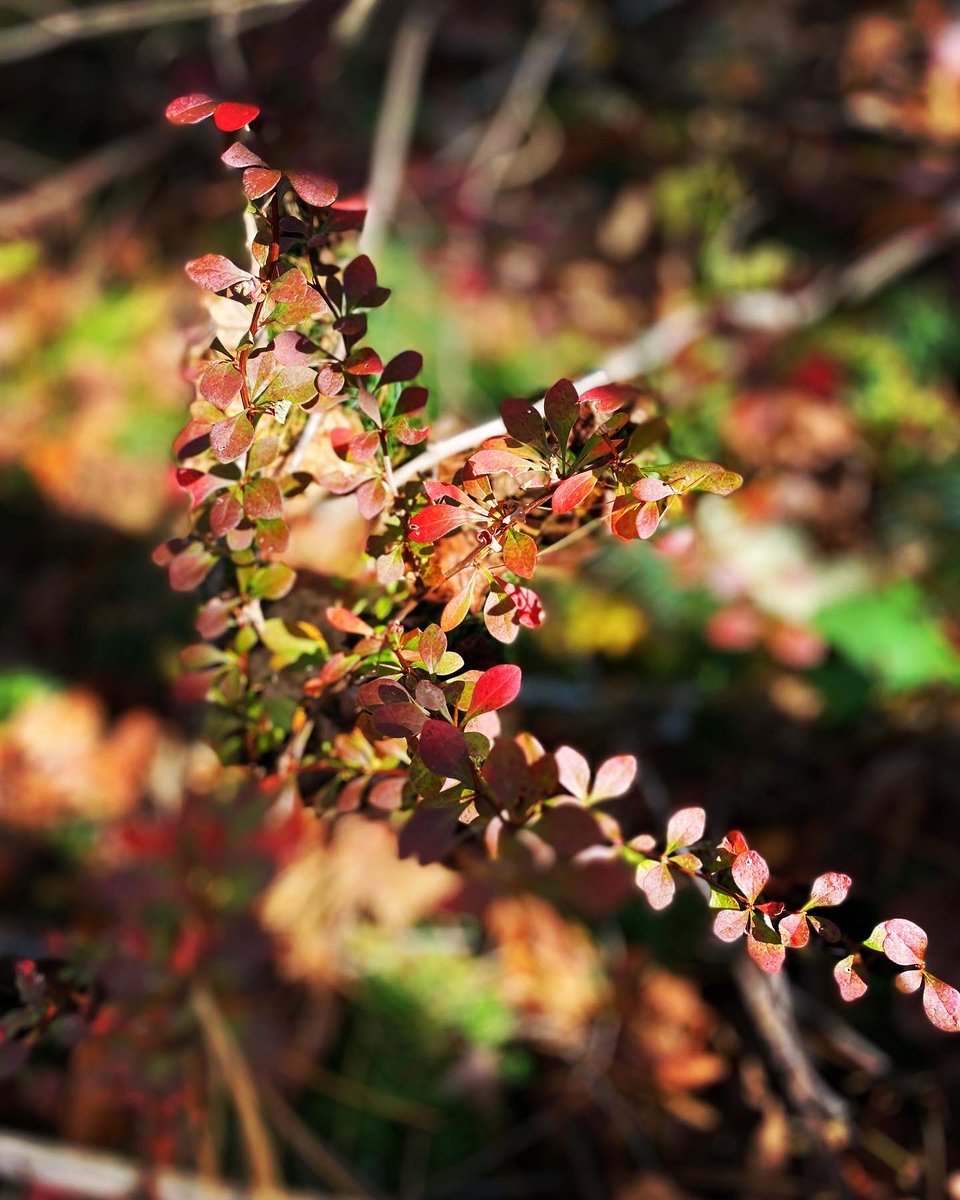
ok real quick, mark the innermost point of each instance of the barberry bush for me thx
(386, 702)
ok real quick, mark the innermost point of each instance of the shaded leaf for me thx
(443, 749)
(561, 407)
(216, 273)
(316, 190)
(188, 110)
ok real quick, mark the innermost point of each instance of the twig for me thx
(391, 141)
(503, 137)
(351, 21)
(301, 1138)
(64, 190)
(51, 31)
(93, 1175)
(769, 1000)
(239, 1081)
(772, 312)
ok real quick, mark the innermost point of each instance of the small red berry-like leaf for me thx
(520, 553)
(346, 621)
(364, 446)
(851, 983)
(495, 689)
(438, 491)
(651, 489)
(432, 647)
(901, 941)
(443, 749)
(239, 155)
(657, 884)
(363, 361)
(257, 181)
(188, 110)
(795, 930)
(941, 1003)
(573, 771)
(572, 492)
(316, 190)
(402, 367)
(561, 407)
(230, 116)
(614, 777)
(684, 828)
(456, 609)
(216, 273)
(231, 437)
(731, 923)
(432, 522)
(908, 981)
(829, 890)
(262, 499)
(751, 873)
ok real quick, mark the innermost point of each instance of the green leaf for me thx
(271, 582)
(721, 900)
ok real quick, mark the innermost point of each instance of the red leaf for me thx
(574, 771)
(608, 398)
(901, 941)
(908, 981)
(239, 155)
(363, 362)
(402, 367)
(648, 518)
(364, 446)
(232, 437)
(225, 514)
(316, 190)
(494, 689)
(257, 181)
(412, 400)
(215, 273)
(614, 777)
(561, 407)
(651, 489)
(456, 609)
(219, 383)
(522, 421)
(188, 110)
(489, 462)
(199, 484)
(373, 496)
(190, 568)
(262, 499)
(851, 984)
(443, 749)
(829, 890)
(520, 553)
(795, 930)
(684, 827)
(230, 116)
(735, 843)
(437, 491)
(572, 492)
(657, 884)
(751, 874)
(432, 522)
(730, 923)
(767, 953)
(359, 278)
(346, 621)
(432, 647)
(941, 1003)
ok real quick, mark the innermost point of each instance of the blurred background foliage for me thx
(580, 171)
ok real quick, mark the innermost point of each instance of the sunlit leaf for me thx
(685, 828)
(750, 873)
(941, 1003)
(188, 110)
(851, 984)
